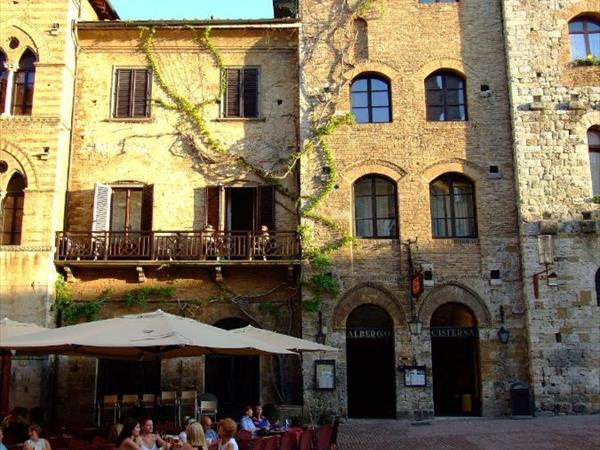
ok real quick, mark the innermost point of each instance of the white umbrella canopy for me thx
(143, 337)
(11, 328)
(282, 340)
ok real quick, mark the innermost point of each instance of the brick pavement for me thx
(540, 433)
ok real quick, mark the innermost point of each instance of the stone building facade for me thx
(555, 106)
(348, 57)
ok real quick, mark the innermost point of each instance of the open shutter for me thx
(141, 93)
(212, 206)
(147, 207)
(232, 100)
(250, 92)
(101, 214)
(266, 205)
(123, 93)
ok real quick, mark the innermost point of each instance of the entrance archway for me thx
(455, 361)
(370, 359)
(233, 379)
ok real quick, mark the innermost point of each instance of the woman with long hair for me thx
(129, 435)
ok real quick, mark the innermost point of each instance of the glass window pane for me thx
(360, 100)
(441, 227)
(440, 207)
(386, 227)
(455, 113)
(575, 26)
(364, 208)
(595, 171)
(453, 82)
(593, 26)
(117, 217)
(378, 85)
(359, 85)
(364, 228)
(440, 187)
(461, 187)
(455, 97)
(434, 82)
(363, 187)
(135, 210)
(381, 115)
(578, 46)
(435, 98)
(593, 137)
(380, 99)
(386, 206)
(383, 186)
(361, 115)
(464, 228)
(435, 113)
(463, 206)
(595, 44)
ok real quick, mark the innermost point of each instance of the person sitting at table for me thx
(2, 446)
(187, 420)
(210, 434)
(195, 437)
(147, 439)
(246, 422)
(226, 430)
(129, 434)
(15, 425)
(35, 442)
(259, 420)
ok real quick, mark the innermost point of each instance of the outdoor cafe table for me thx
(248, 444)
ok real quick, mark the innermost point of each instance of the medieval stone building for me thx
(448, 232)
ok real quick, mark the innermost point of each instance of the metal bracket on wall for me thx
(69, 277)
(218, 274)
(141, 274)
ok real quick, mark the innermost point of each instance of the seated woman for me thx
(226, 430)
(259, 420)
(129, 435)
(246, 422)
(147, 440)
(35, 442)
(195, 437)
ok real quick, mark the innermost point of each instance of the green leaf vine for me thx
(73, 312)
(139, 297)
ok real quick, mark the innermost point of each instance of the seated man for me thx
(246, 422)
(209, 433)
(259, 420)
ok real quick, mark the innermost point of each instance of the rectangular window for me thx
(241, 95)
(132, 93)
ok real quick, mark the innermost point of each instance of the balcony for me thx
(112, 248)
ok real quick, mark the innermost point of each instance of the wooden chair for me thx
(129, 402)
(188, 405)
(306, 440)
(169, 402)
(108, 410)
(207, 405)
(148, 403)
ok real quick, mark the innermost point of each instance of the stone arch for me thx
(18, 161)
(228, 311)
(368, 293)
(460, 165)
(372, 66)
(455, 293)
(28, 35)
(451, 64)
(354, 171)
(588, 120)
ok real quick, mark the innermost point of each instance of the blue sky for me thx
(193, 9)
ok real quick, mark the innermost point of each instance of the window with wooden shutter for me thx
(101, 214)
(213, 200)
(132, 93)
(266, 207)
(241, 96)
(147, 207)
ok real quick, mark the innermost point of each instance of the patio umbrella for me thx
(282, 340)
(11, 328)
(143, 337)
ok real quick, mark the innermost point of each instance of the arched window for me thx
(445, 96)
(584, 36)
(24, 81)
(12, 210)
(375, 207)
(371, 99)
(453, 207)
(593, 136)
(3, 77)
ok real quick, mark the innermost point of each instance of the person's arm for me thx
(48, 446)
(161, 443)
(27, 446)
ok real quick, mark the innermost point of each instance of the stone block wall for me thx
(553, 105)
(405, 42)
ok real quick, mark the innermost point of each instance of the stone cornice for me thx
(27, 248)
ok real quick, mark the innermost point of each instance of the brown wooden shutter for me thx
(141, 88)
(266, 207)
(147, 207)
(212, 206)
(250, 89)
(232, 100)
(123, 93)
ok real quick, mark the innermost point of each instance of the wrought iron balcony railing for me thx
(177, 245)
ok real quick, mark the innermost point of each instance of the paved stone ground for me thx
(540, 433)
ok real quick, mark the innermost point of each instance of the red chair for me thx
(57, 442)
(288, 441)
(77, 444)
(306, 440)
(243, 435)
(272, 443)
(99, 441)
(324, 433)
(334, 433)
(260, 444)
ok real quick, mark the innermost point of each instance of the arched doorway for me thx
(233, 379)
(370, 359)
(455, 361)
(12, 210)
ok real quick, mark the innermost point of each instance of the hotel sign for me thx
(368, 333)
(453, 332)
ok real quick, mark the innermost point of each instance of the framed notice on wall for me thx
(415, 376)
(325, 374)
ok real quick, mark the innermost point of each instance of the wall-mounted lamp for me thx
(503, 335)
(321, 336)
(415, 326)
